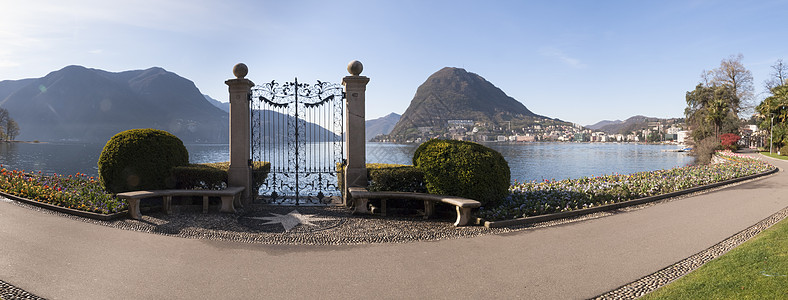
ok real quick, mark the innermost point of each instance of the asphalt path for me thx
(60, 258)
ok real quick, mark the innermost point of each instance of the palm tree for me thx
(717, 110)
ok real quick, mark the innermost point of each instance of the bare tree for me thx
(777, 77)
(4, 117)
(733, 73)
(705, 77)
(11, 129)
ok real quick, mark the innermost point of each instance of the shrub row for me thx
(388, 177)
(151, 159)
(214, 175)
(445, 167)
(260, 170)
(400, 178)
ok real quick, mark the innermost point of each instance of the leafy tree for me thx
(779, 135)
(717, 110)
(711, 111)
(773, 112)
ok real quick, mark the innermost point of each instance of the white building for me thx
(681, 136)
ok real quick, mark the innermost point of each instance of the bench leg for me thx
(429, 209)
(167, 205)
(204, 204)
(360, 205)
(463, 216)
(237, 201)
(227, 204)
(134, 208)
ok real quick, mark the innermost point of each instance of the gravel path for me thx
(336, 226)
(332, 225)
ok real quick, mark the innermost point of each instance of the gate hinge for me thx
(250, 162)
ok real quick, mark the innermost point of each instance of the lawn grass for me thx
(757, 269)
(774, 155)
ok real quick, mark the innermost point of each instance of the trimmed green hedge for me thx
(260, 170)
(389, 177)
(141, 159)
(463, 169)
(199, 176)
(400, 178)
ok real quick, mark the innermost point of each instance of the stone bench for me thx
(229, 198)
(464, 206)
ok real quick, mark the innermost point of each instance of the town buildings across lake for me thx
(528, 161)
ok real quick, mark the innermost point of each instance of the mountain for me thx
(225, 106)
(7, 87)
(277, 128)
(603, 123)
(631, 124)
(453, 94)
(81, 104)
(382, 125)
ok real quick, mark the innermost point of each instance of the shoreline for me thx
(25, 142)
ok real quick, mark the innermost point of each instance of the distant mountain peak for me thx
(72, 67)
(602, 123)
(453, 93)
(382, 125)
(83, 104)
(629, 125)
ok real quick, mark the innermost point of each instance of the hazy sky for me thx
(580, 61)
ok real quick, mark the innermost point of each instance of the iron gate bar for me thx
(303, 154)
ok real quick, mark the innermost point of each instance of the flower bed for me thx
(79, 191)
(545, 197)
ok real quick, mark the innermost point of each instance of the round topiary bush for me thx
(463, 169)
(141, 159)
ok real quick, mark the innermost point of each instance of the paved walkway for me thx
(59, 258)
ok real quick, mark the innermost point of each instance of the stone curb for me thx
(652, 282)
(80, 213)
(614, 206)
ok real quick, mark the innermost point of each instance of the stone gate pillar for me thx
(240, 172)
(355, 137)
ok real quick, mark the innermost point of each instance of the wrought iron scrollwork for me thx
(298, 128)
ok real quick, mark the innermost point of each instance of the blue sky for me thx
(580, 61)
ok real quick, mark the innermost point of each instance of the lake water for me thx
(530, 161)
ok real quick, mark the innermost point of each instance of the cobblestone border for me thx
(667, 275)
(10, 292)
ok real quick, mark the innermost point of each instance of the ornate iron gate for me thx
(298, 128)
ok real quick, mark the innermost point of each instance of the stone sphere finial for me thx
(240, 70)
(355, 67)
